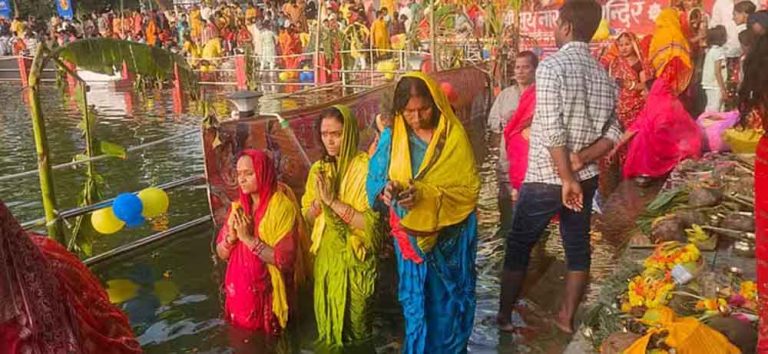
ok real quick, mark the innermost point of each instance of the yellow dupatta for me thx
(273, 227)
(669, 42)
(348, 176)
(447, 183)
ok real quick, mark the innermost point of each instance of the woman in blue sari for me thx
(424, 171)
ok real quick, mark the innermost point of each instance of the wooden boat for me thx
(295, 146)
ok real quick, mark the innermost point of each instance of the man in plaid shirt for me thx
(574, 125)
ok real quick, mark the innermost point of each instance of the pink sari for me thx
(247, 283)
(516, 143)
(665, 134)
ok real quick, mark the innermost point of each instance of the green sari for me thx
(345, 258)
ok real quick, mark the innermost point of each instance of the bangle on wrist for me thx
(258, 247)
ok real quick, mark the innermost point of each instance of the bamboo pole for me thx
(90, 182)
(53, 224)
(432, 35)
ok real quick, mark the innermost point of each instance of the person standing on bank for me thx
(506, 107)
(574, 126)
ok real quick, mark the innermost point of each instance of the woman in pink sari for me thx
(260, 243)
(663, 135)
(50, 302)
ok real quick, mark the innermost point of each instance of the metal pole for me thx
(432, 35)
(53, 224)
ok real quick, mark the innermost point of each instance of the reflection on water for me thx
(176, 305)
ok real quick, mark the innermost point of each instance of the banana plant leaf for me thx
(105, 55)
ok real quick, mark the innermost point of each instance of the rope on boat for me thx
(97, 158)
(105, 203)
(146, 240)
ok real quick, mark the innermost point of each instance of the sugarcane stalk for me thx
(52, 222)
(739, 235)
(432, 35)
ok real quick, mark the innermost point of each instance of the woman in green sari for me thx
(344, 236)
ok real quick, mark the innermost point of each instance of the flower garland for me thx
(652, 288)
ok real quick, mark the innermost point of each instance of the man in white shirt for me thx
(503, 108)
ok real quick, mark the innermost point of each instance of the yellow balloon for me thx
(284, 76)
(105, 222)
(166, 291)
(155, 202)
(389, 76)
(121, 290)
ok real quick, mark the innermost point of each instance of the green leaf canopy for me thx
(104, 55)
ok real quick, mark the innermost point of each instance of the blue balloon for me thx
(128, 207)
(135, 222)
(307, 76)
(486, 54)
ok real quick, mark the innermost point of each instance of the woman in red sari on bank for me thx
(753, 97)
(50, 303)
(633, 73)
(260, 242)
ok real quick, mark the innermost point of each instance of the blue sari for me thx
(438, 294)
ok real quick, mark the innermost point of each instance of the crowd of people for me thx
(567, 121)
(275, 32)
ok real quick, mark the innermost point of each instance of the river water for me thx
(187, 318)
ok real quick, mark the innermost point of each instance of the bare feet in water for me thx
(504, 324)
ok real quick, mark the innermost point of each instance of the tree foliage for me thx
(105, 55)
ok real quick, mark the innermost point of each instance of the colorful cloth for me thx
(258, 295)
(345, 264)
(685, 335)
(290, 45)
(669, 43)
(714, 124)
(50, 302)
(515, 142)
(665, 134)
(436, 272)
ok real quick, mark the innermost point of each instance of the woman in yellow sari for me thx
(670, 52)
(344, 233)
(195, 23)
(380, 34)
(424, 171)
